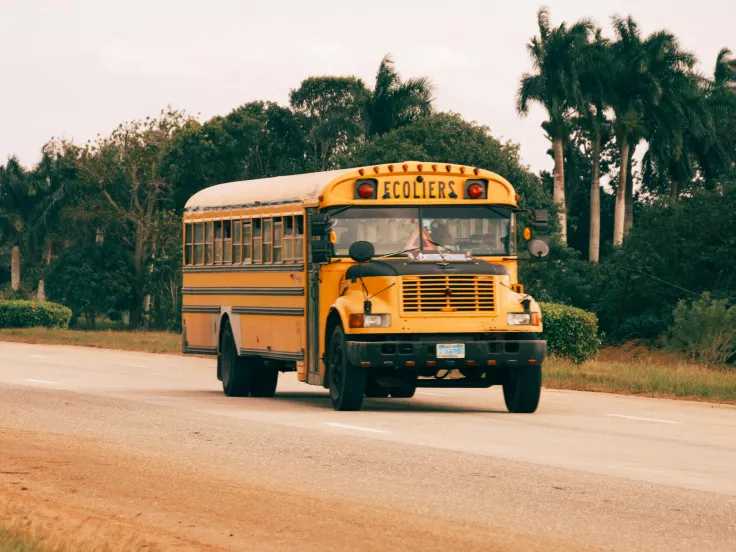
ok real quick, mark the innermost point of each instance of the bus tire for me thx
(236, 370)
(403, 392)
(347, 382)
(375, 391)
(265, 379)
(522, 389)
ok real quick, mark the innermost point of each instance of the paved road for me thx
(450, 468)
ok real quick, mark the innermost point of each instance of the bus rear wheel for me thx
(347, 382)
(265, 379)
(522, 389)
(235, 370)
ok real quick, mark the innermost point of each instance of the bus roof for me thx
(309, 186)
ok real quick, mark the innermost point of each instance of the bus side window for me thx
(267, 230)
(208, 244)
(188, 243)
(299, 238)
(218, 242)
(227, 240)
(278, 256)
(246, 242)
(288, 239)
(256, 240)
(237, 234)
(198, 243)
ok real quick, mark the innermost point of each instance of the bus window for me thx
(247, 248)
(278, 237)
(299, 238)
(227, 240)
(208, 243)
(237, 235)
(256, 240)
(198, 243)
(288, 239)
(218, 242)
(188, 242)
(267, 230)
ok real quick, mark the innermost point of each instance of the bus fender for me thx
(234, 319)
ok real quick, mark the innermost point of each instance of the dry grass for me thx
(635, 370)
(150, 342)
(25, 529)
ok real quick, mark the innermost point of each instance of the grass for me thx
(628, 370)
(635, 370)
(150, 342)
(19, 541)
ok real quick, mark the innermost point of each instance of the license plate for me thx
(451, 350)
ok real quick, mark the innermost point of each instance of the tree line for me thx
(97, 225)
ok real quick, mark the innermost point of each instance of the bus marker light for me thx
(361, 171)
(410, 363)
(375, 170)
(532, 361)
(476, 171)
(431, 363)
(448, 168)
(365, 364)
(469, 363)
(391, 168)
(462, 170)
(420, 167)
(405, 167)
(491, 363)
(434, 168)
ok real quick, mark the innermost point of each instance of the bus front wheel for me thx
(522, 389)
(347, 382)
(236, 372)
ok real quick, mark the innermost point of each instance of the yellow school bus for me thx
(369, 281)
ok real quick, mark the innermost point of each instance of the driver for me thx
(440, 232)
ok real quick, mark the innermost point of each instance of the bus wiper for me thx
(444, 259)
(398, 253)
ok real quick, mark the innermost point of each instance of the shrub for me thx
(26, 314)
(570, 332)
(705, 329)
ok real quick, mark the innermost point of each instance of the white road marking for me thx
(357, 428)
(39, 356)
(430, 394)
(40, 381)
(640, 419)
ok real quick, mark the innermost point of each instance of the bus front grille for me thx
(447, 294)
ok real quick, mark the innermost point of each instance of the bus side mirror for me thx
(362, 251)
(320, 244)
(540, 220)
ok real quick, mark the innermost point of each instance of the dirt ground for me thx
(79, 494)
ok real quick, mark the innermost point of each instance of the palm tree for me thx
(725, 71)
(393, 102)
(555, 84)
(593, 86)
(642, 72)
(16, 204)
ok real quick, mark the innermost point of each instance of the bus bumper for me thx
(396, 354)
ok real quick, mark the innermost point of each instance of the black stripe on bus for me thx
(276, 355)
(200, 309)
(290, 291)
(190, 350)
(245, 268)
(239, 206)
(269, 311)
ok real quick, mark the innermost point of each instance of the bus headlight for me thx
(370, 320)
(523, 319)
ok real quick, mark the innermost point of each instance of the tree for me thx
(641, 71)
(555, 54)
(447, 138)
(125, 169)
(393, 102)
(17, 201)
(593, 87)
(91, 279)
(334, 113)
(256, 140)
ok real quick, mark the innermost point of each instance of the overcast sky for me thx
(76, 68)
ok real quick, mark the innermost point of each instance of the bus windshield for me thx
(481, 230)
